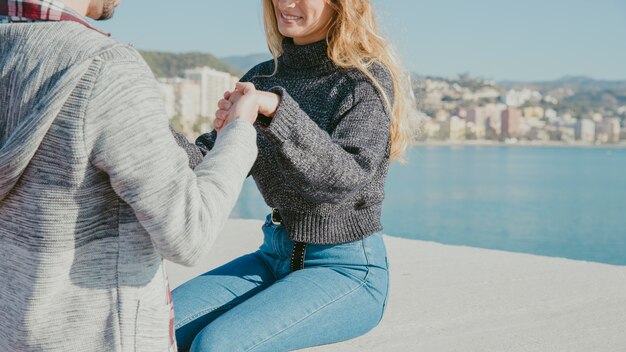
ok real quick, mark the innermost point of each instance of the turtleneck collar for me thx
(312, 56)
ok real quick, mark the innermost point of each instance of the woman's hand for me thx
(240, 104)
(245, 102)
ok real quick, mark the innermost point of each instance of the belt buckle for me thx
(276, 218)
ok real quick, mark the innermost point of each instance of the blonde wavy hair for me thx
(354, 42)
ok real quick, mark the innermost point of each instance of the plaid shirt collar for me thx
(40, 10)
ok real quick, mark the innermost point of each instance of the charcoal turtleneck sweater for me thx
(324, 156)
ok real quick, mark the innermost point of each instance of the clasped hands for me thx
(245, 102)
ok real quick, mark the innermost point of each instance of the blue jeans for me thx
(254, 303)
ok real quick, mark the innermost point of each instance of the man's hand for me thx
(245, 102)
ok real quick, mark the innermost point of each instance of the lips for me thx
(289, 18)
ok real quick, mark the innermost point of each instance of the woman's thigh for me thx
(339, 295)
(201, 300)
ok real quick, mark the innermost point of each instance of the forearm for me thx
(328, 167)
(181, 210)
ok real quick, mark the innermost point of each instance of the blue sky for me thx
(496, 39)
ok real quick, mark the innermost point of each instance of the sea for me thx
(565, 202)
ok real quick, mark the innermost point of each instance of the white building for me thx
(431, 129)
(586, 130)
(533, 112)
(550, 99)
(551, 114)
(516, 98)
(608, 130)
(193, 100)
(181, 97)
(189, 101)
(212, 85)
(182, 101)
(482, 93)
(168, 92)
(457, 128)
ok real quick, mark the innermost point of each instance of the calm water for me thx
(560, 202)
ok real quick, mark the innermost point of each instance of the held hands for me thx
(244, 103)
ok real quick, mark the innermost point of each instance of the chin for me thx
(288, 32)
(107, 9)
(106, 16)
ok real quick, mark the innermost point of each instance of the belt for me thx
(276, 218)
(299, 248)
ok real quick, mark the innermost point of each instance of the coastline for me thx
(451, 298)
(534, 144)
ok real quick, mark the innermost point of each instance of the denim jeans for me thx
(254, 303)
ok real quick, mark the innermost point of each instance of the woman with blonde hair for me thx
(332, 110)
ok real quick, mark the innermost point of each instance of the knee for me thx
(214, 339)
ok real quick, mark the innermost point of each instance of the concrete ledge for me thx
(450, 298)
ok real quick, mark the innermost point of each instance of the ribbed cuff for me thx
(238, 134)
(285, 119)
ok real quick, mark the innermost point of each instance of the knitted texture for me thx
(324, 157)
(94, 192)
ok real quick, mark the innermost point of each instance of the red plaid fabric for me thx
(41, 10)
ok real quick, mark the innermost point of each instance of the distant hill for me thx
(245, 63)
(165, 64)
(574, 82)
(593, 100)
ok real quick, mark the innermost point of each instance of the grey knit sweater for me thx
(94, 192)
(324, 157)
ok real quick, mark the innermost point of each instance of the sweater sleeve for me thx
(194, 152)
(205, 142)
(329, 167)
(127, 137)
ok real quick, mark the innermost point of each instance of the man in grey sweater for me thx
(94, 190)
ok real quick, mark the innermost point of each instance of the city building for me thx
(168, 92)
(182, 102)
(533, 112)
(442, 115)
(511, 123)
(516, 98)
(568, 133)
(597, 117)
(568, 118)
(477, 122)
(488, 93)
(608, 130)
(530, 126)
(192, 101)
(431, 129)
(586, 130)
(550, 114)
(212, 85)
(456, 128)
(493, 123)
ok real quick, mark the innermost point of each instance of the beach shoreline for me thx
(490, 143)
